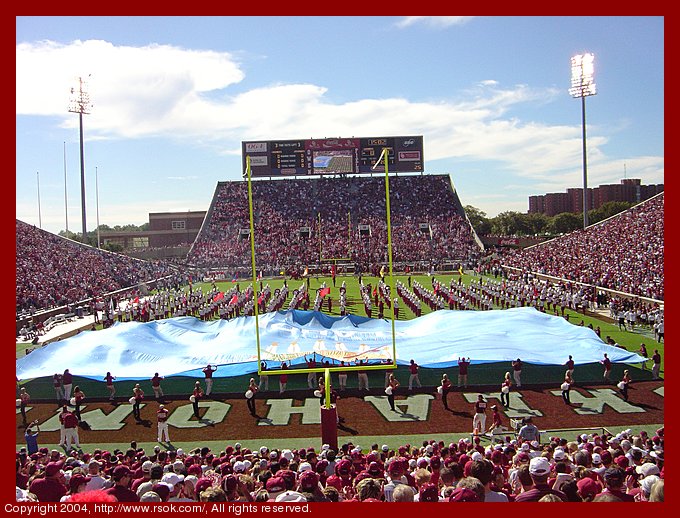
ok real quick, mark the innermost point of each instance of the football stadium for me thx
(338, 329)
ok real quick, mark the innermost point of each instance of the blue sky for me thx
(173, 97)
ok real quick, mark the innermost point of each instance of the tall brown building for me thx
(629, 190)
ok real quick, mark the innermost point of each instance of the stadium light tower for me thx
(582, 85)
(80, 104)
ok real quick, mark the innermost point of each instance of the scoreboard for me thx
(332, 156)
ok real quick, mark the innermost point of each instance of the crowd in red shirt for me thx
(595, 467)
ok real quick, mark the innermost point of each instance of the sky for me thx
(172, 98)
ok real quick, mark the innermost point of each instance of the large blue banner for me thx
(184, 345)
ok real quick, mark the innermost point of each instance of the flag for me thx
(218, 297)
(260, 298)
(460, 270)
(324, 291)
(282, 272)
(259, 276)
(190, 280)
(234, 277)
(136, 301)
(306, 272)
(234, 299)
(375, 292)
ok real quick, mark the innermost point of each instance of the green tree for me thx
(538, 223)
(510, 223)
(565, 222)
(607, 210)
(112, 247)
(478, 220)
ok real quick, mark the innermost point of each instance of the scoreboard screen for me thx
(332, 156)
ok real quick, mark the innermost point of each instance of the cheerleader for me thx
(505, 390)
(250, 399)
(390, 390)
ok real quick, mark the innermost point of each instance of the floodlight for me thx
(582, 86)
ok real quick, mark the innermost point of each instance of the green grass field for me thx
(482, 375)
(630, 340)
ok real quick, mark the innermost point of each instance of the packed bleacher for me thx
(621, 467)
(282, 208)
(55, 271)
(624, 253)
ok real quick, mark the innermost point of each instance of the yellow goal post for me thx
(326, 370)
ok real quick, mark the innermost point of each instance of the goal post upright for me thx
(384, 156)
(327, 370)
(252, 259)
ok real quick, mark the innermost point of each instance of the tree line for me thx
(511, 223)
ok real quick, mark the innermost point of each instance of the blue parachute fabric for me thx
(182, 346)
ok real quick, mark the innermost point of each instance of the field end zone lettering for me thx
(595, 405)
(27, 409)
(280, 411)
(659, 391)
(181, 416)
(417, 407)
(518, 408)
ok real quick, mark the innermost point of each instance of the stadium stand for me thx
(281, 208)
(623, 253)
(55, 271)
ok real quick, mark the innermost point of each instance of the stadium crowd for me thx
(624, 253)
(328, 207)
(596, 467)
(55, 271)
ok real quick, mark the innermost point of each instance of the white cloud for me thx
(169, 92)
(136, 93)
(434, 21)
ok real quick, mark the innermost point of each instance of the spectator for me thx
(483, 471)
(122, 476)
(624, 253)
(614, 478)
(656, 493)
(55, 271)
(528, 432)
(52, 486)
(32, 438)
(539, 469)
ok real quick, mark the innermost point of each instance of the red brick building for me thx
(629, 190)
